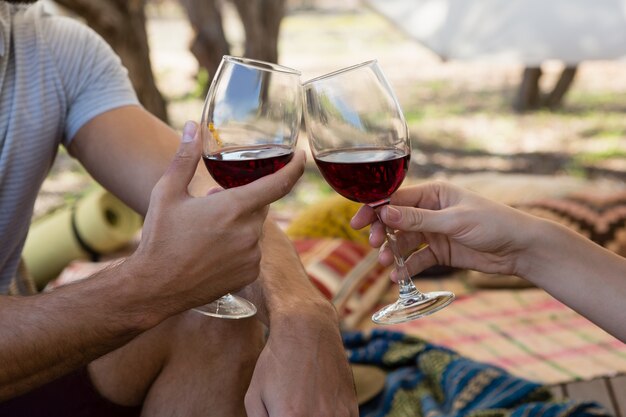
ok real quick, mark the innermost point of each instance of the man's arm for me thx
(48, 335)
(303, 369)
(283, 293)
(126, 150)
(44, 336)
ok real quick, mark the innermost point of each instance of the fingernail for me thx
(189, 131)
(393, 214)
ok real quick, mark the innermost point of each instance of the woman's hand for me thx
(460, 228)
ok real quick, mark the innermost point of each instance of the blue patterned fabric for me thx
(424, 380)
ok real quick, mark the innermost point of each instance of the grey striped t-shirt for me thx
(55, 75)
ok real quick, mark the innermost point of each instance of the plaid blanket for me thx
(526, 332)
(425, 380)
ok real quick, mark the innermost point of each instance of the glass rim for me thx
(340, 71)
(261, 65)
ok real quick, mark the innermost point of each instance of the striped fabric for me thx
(346, 272)
(55, 75)
(526, 332)
(426, 380)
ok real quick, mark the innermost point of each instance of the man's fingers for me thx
(415, 219)
(183, 166)
(266, 190)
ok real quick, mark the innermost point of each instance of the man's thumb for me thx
(183, 166)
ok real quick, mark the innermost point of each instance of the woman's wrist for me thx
(543, 242)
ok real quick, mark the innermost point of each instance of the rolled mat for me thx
(96, 224)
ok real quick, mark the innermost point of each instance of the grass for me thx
(600, 156)
(457, 106)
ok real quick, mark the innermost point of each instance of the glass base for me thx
(228, 307)
(413, 307)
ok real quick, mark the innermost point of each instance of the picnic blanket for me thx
(526, 332)
(431, 381)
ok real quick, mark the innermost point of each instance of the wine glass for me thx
(249, 128)
(360, 142)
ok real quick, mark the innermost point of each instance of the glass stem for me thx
(407, 288)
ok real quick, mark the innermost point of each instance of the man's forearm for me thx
(283, 289)
(304, 351)
(45, 336)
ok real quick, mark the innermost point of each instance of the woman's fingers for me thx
(416, 220)
(417, 262)
(377, 234)
(407, 243)
(363, 217)
(434, 195)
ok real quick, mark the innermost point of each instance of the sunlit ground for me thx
(459, 113)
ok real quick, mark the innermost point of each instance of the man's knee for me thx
(189, 342)
(197, 333)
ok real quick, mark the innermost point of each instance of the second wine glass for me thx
(360, 142)
(249, 129)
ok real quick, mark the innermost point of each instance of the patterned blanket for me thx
(526, 332)
(426, 380)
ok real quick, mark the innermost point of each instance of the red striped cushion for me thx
(345, 272)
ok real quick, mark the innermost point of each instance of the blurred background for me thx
(489, 85)
(519, 99)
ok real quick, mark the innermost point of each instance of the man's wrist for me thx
(284, 288)
(312, 313)
(136, 297)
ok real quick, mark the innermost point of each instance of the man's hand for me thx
(302, 371)
(194, 250)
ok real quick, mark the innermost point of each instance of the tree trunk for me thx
(529, 95)
(555, 98)
(209, 44)
(261, 21)
(122, 23)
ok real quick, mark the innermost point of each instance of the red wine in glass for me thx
(360, 141)
(233, 167)
(364, 175)
(249, 127)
